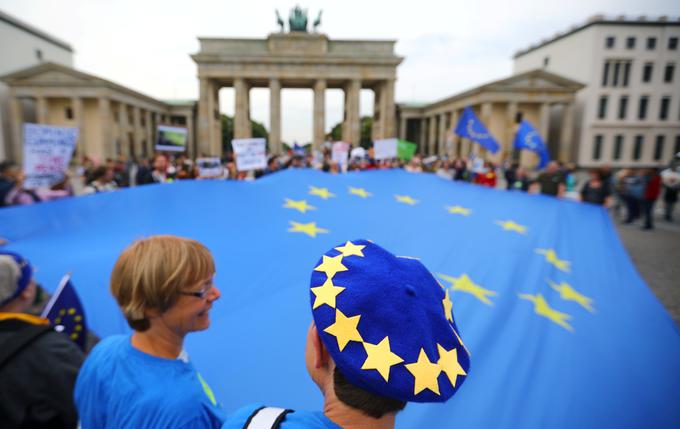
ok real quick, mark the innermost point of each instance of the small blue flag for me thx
(299, 150)
(66, 313)
(472, 128)
(528, 138)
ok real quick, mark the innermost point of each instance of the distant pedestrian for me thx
(652, 191)
(595, 190)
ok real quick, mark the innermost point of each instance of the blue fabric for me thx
(470, 127)
(294, 420)
(528, 138)
(67, 311)
(388, 293)
(122, 387)
(618, 367)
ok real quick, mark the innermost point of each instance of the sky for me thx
(448, 45)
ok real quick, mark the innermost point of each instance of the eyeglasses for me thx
(199, 293)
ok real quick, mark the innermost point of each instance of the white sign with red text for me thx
(47, 153)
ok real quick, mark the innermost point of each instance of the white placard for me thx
(340, 153)
(47, 153)
(251, 154)
(385, 148)
(209, 167)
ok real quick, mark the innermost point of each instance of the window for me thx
(618, 147)
(609, 42)
(68, 112)
(616, 72)
(663, 108)
(651, 43)
(626, 73)
(605, 73)
(676, 150)
(38, 55)
(637, 148)
(672, 43)
(602, 108)
(518, 117)
(623, 106)
(597, 147)
(630, 43)
(546, 61)
(642, 108)
(668, 73)
(617, 68)
(647, 72)
(658, 147)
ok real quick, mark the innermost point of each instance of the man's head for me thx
(383, 332)
(160, 163)
(552, 167)
(17, 288)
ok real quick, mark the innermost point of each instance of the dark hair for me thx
(368, 403)
(98, 173)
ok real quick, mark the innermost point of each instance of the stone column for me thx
(158, 119)
(242, 129)
(123, 130)
(104, 147)
(566, 136)
(455, 140)
(442, 134)
(275, 145)
(432, 138)
(351, 132)
(510, 129)
(149, 134)
(319, 113)
(422, 141)
(402, 128)
(191, 145)
(387, 109)
(136, 132)
(77, 108)
(544, 124)
(206, 116)
(377, 128)
(41, 110)
(485, 116)
(16, 151)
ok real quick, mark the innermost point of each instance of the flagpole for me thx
(53, 299)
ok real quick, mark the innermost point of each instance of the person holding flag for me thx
(470, 127)
(38, 366)
(528, 138)
(164, 287)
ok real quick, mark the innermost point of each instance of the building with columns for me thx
(295, 60)
(113, 120)
(544, 99)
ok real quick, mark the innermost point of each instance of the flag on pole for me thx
(528, 138)
(66, 313)
(470, 127)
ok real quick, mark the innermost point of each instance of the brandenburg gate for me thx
(296, 59)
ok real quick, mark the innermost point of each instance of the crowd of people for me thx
(634, 190)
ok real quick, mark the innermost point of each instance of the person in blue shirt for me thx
(164, 287)
(383, 334)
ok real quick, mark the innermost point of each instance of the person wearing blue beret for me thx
(383, 334)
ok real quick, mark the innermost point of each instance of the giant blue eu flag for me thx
(562, 331)
(472, 128)
(528, 138)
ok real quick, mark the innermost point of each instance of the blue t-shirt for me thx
(122, 387)
(294, 420)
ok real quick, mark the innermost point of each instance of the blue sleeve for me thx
(238, 418)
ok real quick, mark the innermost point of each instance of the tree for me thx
(366, 127)
(257, 131)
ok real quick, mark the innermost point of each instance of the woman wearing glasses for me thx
(164, 287)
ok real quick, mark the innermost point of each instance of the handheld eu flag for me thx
(66, 313)
(472, 128)
(528, 138)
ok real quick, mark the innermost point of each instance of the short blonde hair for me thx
(150, 274)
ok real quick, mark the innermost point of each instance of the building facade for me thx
(628, 113)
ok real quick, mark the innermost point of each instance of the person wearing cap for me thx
(358, 353)
(38, 366)
(164, 287)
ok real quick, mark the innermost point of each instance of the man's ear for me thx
(321, 356)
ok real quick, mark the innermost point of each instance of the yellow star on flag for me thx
(360, 192)
(448, 361)
(568, 293)
(344, 329)
(551, 257)
(331, 265)
(465, 284)
(380, 357)
(425, 373)
(406, 200)
(448, 307)
(542, 308)
(320, 192)
(326, 293)
(351, 249)
(510, 225)
(308, 228)
(300, 206)
(458, 210)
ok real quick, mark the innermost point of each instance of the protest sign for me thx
(209, 167)
(250, 154)
(385, 148)
(340, 153)
(47, 153)
(172, 139)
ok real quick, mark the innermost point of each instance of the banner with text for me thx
(251, 154)
(340, 153)
(47, 153)
(209, 168)
(385, 148)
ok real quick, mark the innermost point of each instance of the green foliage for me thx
(366, 131)
(257, 130)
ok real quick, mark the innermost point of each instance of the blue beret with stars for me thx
(387, 323)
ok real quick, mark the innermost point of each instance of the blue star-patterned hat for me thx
(387, 323)
(15, 275)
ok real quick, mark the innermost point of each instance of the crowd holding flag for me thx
(528, 138)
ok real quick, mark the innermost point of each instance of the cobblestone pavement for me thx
(656, 255)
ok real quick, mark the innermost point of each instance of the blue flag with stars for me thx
(561, 330)
(66, 314)
(472, 128)
(528, 138)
